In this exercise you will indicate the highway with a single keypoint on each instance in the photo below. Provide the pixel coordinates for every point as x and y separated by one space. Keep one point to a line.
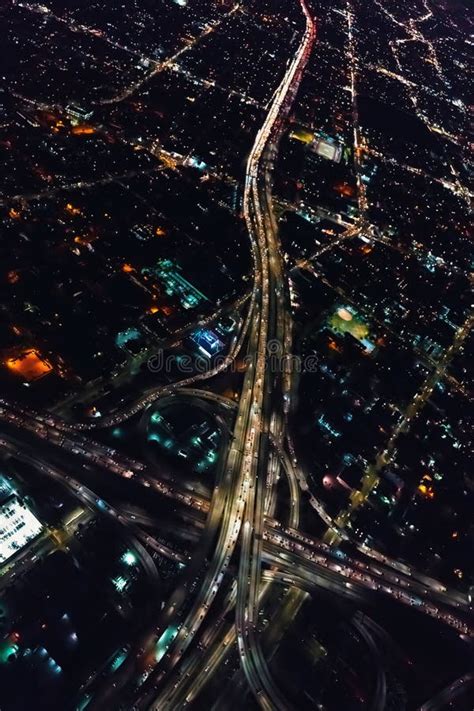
48 428
321 573
382 569
248 451
239 518
149 356
91 501
295 558
269 329
448 696
151 395
40 548
99 455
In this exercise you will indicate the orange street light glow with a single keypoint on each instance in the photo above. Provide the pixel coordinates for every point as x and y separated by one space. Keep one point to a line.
83 130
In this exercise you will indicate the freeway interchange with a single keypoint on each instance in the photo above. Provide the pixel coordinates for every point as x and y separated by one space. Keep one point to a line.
240 516
293 557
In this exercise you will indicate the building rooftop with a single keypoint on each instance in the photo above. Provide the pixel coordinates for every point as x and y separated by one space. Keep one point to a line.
18 526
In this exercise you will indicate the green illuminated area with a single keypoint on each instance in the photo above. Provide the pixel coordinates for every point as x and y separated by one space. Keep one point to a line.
164 642
176 285
8 647
118 659
302 134
131 334
195 441
122 580
10 650
84 703
345 319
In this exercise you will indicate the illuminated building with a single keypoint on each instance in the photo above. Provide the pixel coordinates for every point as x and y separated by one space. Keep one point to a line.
207 342
18 526
176 285
330 151
78 113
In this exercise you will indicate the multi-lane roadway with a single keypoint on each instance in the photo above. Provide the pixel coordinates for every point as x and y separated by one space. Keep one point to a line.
240 514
